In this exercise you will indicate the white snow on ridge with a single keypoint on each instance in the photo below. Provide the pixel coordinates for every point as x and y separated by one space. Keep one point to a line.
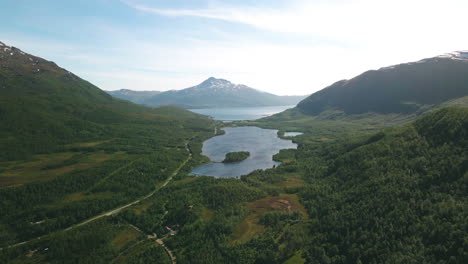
456 55
219 85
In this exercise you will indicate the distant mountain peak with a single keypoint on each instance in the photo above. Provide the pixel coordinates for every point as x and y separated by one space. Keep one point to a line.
214 92
213 82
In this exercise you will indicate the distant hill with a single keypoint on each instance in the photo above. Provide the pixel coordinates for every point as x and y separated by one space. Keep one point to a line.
133 96
211 93
402 88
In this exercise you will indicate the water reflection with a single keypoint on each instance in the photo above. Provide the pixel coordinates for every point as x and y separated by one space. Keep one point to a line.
261 143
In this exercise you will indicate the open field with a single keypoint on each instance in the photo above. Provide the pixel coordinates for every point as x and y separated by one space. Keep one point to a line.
251 226
48 166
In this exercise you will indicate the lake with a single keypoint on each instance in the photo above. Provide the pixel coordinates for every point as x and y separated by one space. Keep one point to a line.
241 113
261 143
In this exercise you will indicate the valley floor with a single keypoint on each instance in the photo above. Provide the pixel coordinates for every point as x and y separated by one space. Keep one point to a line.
396 195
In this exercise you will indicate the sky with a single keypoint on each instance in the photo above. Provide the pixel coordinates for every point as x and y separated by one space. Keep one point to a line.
286 47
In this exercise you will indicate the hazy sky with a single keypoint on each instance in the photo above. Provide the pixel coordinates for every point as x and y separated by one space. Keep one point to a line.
279 46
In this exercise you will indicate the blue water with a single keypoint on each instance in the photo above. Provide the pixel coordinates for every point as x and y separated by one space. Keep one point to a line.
261 143
241 113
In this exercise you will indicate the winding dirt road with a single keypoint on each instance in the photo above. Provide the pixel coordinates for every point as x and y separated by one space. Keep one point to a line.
116 210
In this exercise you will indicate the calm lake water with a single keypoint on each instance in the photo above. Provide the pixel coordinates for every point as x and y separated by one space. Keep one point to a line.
241 113
261 143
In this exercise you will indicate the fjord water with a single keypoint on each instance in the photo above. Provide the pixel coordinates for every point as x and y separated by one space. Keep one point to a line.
241 113
261 143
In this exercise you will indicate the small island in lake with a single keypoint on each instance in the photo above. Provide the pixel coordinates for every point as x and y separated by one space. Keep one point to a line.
236 156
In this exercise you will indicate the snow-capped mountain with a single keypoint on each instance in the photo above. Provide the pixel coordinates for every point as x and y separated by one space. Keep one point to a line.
215 92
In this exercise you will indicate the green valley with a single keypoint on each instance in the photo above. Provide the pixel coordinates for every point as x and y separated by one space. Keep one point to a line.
88 178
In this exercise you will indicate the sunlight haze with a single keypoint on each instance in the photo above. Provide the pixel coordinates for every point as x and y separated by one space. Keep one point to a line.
282 47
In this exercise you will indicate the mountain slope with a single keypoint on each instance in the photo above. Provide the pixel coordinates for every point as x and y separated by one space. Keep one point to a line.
403 88
71 151
219 93
133 96
43 106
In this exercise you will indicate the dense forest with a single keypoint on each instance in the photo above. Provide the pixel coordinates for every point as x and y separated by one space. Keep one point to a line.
397 197
87 178
70 151
394 196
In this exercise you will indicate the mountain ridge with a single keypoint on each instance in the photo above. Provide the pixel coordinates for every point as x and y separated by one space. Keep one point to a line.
227 94
131 95
43 106
402 88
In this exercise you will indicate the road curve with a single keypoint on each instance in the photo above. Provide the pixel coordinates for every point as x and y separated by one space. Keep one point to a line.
169 252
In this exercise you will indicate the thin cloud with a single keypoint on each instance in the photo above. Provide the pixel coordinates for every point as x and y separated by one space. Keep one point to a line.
307 47
351 19
371 34
221 14
245 15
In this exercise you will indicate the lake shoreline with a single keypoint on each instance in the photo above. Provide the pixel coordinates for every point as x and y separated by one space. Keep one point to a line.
262 144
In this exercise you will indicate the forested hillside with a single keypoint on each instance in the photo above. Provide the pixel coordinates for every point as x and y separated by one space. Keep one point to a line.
398 196
70 151
395 196
43 107
403 88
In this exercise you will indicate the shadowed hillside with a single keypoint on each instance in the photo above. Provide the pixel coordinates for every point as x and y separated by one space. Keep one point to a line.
403 88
